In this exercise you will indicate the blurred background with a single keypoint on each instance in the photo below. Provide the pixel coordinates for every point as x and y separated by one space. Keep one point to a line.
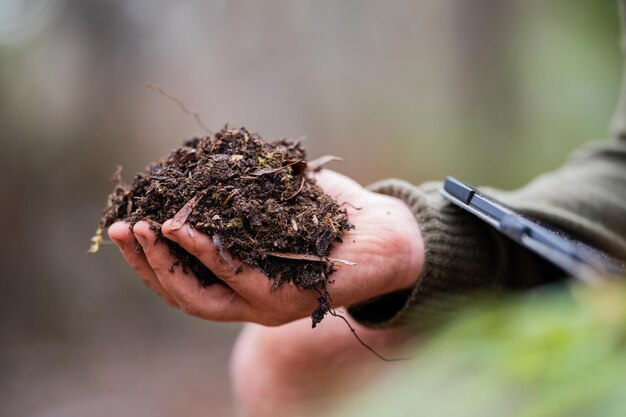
493 92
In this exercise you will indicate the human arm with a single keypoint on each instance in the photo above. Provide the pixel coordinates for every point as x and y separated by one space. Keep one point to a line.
586 198
293 370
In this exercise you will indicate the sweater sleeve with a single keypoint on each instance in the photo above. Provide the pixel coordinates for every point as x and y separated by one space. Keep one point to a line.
464 256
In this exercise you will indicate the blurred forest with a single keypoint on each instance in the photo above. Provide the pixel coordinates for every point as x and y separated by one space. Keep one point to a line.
493 92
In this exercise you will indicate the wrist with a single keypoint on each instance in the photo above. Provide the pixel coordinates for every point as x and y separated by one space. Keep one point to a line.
413 247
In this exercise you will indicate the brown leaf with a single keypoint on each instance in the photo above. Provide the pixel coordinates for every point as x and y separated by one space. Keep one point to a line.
298 166
296 256
307 257
341 261
183 214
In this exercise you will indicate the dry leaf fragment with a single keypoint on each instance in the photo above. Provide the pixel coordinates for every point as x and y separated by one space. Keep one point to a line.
183 214
96 240
307 257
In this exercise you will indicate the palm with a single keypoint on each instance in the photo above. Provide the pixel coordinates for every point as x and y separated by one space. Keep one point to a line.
383 243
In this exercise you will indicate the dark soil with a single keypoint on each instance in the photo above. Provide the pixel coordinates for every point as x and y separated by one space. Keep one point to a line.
257 200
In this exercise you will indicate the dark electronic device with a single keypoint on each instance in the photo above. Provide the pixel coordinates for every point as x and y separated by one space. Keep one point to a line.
574 257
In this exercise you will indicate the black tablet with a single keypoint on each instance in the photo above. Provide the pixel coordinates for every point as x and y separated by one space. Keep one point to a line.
572 256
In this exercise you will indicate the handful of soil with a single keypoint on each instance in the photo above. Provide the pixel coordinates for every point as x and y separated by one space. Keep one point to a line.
257 200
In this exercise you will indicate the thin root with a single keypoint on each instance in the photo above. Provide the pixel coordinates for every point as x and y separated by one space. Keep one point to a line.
345 203
317 164
334 313
297 192
183 107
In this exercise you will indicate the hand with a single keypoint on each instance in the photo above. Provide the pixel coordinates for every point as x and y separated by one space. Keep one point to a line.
291 370
386 245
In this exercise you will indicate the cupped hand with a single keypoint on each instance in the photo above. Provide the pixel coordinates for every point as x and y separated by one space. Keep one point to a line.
385 244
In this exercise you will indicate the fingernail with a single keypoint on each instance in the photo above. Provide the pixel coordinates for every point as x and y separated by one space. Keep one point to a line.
169 233
141 239
119 244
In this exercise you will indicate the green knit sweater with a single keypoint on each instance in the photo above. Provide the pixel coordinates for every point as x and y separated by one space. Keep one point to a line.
586 198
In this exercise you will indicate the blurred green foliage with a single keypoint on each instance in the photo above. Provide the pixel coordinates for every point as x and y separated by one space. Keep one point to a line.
556 352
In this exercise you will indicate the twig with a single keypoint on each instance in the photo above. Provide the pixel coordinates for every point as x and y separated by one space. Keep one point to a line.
183 107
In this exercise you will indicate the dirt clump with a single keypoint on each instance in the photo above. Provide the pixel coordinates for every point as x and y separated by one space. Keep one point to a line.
256 199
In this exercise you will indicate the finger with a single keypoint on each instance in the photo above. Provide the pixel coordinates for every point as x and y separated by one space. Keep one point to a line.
246 281
123 237
215 302
250 283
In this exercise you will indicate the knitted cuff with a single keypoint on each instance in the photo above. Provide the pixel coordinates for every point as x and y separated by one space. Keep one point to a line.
459 259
